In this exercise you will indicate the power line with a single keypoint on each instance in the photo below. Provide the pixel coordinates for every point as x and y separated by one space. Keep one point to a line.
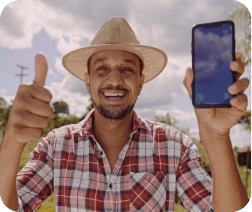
21 75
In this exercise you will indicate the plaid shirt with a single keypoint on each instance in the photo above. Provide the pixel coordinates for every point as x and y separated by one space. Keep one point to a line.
156 162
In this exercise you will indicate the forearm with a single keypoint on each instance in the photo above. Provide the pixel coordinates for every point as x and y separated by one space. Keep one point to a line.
229 193
10 154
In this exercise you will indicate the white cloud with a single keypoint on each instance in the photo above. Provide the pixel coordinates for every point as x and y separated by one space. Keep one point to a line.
160 92
8 99
77 102
166 25
17 25
59 66
51 72
249 103
22 19
239 136
186 120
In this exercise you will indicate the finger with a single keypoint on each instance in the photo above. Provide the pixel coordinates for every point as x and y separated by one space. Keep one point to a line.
240 102
239 86
188 81
40 108
35 121
29 133
41 93
238 67
41 67
238 55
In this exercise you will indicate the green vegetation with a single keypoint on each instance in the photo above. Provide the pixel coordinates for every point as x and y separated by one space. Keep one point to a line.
61 118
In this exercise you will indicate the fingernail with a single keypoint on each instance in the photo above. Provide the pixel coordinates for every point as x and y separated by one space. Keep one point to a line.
233 87
234 100
235 64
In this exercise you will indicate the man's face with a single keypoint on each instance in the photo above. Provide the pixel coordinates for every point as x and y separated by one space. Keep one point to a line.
114 82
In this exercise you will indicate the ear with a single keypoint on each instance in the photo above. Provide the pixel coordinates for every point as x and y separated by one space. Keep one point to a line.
87 80
141 82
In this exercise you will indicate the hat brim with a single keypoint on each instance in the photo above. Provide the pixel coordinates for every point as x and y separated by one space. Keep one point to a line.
154 59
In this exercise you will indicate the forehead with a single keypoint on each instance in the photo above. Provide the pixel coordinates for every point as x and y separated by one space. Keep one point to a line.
116 55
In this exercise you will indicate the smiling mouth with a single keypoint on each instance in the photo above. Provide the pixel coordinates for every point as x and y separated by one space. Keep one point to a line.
115 96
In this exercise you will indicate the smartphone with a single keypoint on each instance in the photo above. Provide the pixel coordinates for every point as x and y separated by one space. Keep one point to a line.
213 49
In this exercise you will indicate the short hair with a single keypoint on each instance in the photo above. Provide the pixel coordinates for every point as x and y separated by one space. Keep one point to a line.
140 61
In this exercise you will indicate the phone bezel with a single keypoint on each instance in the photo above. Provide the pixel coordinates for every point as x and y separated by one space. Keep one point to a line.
193 59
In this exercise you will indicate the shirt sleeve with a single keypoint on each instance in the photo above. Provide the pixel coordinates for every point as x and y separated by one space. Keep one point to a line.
35 180
194 185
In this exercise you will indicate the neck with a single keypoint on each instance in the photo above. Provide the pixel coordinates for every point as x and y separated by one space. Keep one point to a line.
109 132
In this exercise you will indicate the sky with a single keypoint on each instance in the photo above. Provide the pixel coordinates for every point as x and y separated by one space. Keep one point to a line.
56 27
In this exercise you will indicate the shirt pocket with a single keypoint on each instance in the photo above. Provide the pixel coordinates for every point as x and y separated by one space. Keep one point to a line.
147 191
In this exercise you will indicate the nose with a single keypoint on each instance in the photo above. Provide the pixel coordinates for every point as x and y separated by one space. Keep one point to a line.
115 78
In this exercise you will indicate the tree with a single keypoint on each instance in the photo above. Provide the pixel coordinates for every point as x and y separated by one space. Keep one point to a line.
203 153
3 103
246 119
242 19
58 120
167 119
4 114
89 108
60 107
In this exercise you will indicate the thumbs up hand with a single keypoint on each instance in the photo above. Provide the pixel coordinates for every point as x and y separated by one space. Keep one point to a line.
31 109
41 68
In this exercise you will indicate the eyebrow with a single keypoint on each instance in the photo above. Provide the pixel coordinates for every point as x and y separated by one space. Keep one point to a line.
105 58
100 60
130 61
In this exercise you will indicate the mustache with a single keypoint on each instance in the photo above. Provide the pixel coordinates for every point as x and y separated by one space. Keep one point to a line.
113 88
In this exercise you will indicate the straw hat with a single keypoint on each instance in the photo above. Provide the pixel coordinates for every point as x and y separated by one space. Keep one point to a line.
116 34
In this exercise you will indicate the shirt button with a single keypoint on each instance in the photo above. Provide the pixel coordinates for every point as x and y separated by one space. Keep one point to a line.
110 186
101 152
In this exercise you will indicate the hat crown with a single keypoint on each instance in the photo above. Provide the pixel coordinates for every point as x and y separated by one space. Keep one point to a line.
115 31
116 34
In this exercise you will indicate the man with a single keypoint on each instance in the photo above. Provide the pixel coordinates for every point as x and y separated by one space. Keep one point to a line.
115 160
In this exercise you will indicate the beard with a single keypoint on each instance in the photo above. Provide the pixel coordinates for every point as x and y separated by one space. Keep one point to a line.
112 112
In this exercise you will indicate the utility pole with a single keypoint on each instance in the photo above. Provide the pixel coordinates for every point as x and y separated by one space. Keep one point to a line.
21 75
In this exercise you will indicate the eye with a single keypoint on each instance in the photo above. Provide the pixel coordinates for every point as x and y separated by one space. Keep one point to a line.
102 68
127 70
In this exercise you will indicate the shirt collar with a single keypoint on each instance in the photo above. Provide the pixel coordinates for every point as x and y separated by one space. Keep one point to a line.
85 126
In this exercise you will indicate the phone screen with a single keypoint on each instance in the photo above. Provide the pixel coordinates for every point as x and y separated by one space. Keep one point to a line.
213 51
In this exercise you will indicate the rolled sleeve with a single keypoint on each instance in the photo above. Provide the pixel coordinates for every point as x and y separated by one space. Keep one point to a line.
194 185
35 180
20 205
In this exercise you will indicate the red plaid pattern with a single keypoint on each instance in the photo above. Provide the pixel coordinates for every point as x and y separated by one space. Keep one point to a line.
155 163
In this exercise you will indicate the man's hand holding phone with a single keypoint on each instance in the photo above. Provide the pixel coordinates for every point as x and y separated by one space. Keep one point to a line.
220 120
31 109
229 193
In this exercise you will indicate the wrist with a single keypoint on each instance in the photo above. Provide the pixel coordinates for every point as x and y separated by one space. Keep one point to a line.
10 141
208 132
215 141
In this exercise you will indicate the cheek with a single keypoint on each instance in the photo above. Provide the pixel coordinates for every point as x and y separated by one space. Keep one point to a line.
134 88
93 88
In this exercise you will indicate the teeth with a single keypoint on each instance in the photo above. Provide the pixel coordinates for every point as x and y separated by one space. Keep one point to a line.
113 94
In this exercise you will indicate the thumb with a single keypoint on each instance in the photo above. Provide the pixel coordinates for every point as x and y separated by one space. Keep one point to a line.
41 67
188 81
